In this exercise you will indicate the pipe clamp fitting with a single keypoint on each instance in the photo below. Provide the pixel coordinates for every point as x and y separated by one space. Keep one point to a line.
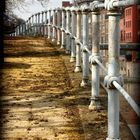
109 4
84 48
94 5
108 81
92 59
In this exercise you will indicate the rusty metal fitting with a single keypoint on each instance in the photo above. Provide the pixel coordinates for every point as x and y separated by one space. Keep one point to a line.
67 9
62 29
77 10
67 32
108 81
94 5
95 98
109 4
58 9
77 41
72 8
85 8
92 59
64 9
84 48
72 37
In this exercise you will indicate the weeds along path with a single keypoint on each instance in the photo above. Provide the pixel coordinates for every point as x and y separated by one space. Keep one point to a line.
34 85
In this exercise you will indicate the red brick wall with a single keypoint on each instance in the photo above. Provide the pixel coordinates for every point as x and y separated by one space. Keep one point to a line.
66 3
131 24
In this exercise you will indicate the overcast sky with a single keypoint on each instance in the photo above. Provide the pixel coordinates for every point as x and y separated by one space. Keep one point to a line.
32 8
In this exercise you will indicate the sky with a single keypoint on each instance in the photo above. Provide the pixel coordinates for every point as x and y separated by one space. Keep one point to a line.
32 8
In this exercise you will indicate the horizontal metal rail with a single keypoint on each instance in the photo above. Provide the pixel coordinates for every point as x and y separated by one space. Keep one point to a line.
127 97
101 66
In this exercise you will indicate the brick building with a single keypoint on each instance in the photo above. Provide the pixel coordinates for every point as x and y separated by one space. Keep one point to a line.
131 28
66 4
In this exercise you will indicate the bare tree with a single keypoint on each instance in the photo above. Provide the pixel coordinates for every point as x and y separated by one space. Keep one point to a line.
21 4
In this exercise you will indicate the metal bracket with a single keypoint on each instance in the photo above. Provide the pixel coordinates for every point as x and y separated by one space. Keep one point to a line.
108 81
109 4
94 5
92 59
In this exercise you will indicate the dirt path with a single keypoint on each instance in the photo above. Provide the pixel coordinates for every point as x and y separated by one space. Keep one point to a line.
41 98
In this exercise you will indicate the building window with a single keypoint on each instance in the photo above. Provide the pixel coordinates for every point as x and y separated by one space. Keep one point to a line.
128 24
128 12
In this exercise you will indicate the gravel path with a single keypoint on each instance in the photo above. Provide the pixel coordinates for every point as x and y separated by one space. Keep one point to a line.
41 98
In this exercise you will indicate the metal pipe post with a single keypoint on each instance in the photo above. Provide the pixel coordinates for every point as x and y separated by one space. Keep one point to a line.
42 24
113 73
39 31
25 32
73 47
29 26
63 28
85 33
68 30
58 24
95 78
25 28
22 29
37 25
49 27
78 49
53 35
32 24
45 32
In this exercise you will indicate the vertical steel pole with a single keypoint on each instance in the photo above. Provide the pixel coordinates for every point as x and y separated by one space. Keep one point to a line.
49 27
58 24
113 71
35 24
68 30
29 25
85 53
42 19
39 24
63 27
95 78
20 29
78 49
24 29
42 24
73 47
16 31
53 35
32 24
45 32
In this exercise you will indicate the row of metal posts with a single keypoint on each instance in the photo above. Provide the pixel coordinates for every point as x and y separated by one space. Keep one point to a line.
74 47
67 31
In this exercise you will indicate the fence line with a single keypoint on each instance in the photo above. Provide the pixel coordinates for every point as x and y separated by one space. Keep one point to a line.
70 28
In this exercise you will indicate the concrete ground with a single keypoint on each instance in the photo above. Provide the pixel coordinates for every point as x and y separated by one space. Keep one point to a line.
41 97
